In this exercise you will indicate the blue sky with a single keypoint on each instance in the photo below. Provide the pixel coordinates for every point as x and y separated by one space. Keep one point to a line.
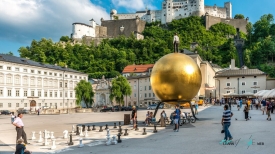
21 21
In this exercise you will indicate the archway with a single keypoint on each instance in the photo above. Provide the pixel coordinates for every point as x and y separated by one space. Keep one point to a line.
32 105
102 99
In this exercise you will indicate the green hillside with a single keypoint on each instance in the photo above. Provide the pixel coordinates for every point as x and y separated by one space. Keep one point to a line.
112 55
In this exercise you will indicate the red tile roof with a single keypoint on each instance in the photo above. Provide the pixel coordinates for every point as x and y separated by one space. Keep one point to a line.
137 68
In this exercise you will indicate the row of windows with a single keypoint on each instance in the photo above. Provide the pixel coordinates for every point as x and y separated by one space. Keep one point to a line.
46 94
149 95
243 91
243 84
39 104
145 88
44 72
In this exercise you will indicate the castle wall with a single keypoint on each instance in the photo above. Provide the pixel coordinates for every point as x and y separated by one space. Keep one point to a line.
101 31
237 23
80 30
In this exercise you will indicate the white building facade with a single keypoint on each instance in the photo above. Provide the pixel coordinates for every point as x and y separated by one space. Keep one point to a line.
80 29
176 9
32 85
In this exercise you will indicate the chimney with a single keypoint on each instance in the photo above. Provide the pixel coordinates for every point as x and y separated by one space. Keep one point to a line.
232 63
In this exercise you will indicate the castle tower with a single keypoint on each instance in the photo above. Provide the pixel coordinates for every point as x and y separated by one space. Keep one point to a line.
112 14
200 7
93 23
228 7
169 11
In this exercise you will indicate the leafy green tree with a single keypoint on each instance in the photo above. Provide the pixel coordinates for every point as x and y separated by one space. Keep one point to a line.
120 88
84 92
239 16
64 38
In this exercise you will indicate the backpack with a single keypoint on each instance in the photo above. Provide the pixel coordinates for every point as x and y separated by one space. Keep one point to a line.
269 106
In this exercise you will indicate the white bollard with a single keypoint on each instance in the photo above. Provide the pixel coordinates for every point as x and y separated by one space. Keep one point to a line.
80 143
108 139
53 146
65 134
52 137
33 136
40 137
114 141
81 133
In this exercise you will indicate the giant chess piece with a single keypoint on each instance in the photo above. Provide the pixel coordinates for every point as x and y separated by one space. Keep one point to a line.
136 126
118 138
126 133
86 133
81 133
77 130
89 129
33 136
144 131
52 137
119 128
100 130
73 129
40 137
155 129
53 144
48 134
114 142
94 127
83 128
106 127
119 123
71 140
65 134
80 143
45 139
108 139
115 125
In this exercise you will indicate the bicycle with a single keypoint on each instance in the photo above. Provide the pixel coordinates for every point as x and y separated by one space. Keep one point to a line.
188 118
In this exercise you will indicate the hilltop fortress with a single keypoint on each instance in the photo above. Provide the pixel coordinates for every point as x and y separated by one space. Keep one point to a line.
134 23
176 9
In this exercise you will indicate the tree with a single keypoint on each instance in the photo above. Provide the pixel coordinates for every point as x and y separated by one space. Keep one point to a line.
120 88
84 92
64 38
239 16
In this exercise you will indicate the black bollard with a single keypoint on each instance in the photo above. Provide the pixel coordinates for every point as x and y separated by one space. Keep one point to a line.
89 129
155 130
94 127
136 126
77 130
126 134
118 138
144 131
71 140
115 125
83 128
106 127
100 130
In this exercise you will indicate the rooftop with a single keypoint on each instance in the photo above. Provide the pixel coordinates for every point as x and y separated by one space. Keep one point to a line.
239 72
137 68
24 61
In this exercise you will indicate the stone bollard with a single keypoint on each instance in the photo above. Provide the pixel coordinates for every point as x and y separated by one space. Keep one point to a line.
89 129
94 127
33 136
100 129
155 128
80 143
136 126
118 138
126 134
53 145
77 130
106 127
71 140
65 134
83 128
115 125
144 131
40 137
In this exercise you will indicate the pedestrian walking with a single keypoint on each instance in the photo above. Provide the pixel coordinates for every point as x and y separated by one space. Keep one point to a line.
196 108
176 42
177 118
18 123
268 109
12 117
134 117
241 103
273 106
38 111
246 111
257 103
249 104
263 105
229 103
226 122
238 104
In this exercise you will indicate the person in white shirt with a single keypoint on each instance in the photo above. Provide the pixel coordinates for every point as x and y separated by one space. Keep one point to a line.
238 104
18 123
176 42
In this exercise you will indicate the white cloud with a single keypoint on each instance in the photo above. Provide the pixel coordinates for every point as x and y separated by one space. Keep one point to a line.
134 5
24 20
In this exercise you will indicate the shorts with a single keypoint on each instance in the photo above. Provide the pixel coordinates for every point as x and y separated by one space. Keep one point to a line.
268 113
176 121
238 105
263 108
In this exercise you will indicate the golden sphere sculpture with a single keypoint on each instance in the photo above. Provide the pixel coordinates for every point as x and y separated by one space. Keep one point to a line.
176 78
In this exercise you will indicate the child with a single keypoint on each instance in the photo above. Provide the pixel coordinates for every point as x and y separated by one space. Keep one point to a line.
21 148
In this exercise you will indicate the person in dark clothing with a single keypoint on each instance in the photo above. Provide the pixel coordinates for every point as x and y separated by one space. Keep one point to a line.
246 110
134 117
21 148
